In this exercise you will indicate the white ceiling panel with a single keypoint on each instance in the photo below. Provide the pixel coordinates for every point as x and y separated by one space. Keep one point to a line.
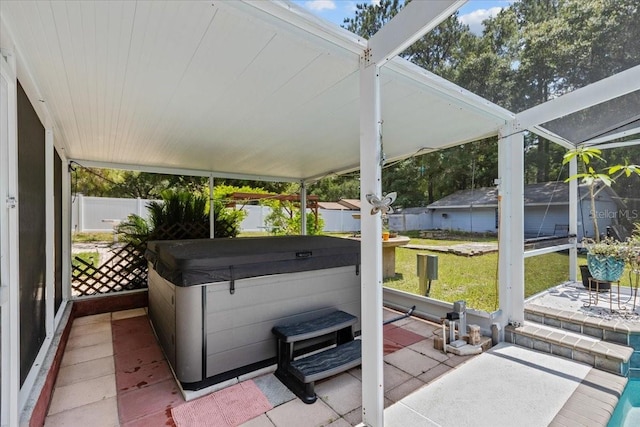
261 89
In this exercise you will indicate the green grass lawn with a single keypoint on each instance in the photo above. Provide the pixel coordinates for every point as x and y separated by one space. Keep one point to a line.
92 258
474 279
92 237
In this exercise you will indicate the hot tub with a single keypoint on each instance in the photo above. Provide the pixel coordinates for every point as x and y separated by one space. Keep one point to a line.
213 302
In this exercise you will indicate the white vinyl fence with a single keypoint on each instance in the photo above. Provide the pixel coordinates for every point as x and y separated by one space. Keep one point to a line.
96 214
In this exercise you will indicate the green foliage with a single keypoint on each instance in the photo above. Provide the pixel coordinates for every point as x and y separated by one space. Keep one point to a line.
530 52
190 209
591 177
285 219
473 279
135 230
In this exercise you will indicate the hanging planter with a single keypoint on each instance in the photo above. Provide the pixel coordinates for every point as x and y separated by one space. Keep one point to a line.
605 268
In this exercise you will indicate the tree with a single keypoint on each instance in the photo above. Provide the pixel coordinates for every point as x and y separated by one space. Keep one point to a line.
593 177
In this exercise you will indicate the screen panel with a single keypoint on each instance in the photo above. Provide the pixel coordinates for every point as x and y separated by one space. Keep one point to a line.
32 232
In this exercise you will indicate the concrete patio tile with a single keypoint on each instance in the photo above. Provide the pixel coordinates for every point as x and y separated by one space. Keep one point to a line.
455 360
88 328
84 354
421 327
133 341
402 336
82 393
85 371
339 423
389 347
434 373
261 421
399 415
275 392
404 389
292 414
103 413
95 318
393 377
343 393
161 418
139 403
135 359
86 340
426 347
356 372
410 361
132 325
148 374
126 314
354 417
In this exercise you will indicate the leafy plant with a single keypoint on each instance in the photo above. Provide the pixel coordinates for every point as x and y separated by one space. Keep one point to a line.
609 247
591 177
285 219
188 212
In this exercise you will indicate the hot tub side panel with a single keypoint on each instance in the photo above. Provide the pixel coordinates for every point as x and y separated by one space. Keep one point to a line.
238 326
176 316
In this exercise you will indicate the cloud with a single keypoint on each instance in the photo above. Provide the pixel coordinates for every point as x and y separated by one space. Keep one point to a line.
375 2
475 18
320 5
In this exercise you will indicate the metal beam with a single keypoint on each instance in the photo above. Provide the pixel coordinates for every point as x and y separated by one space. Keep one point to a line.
540 131
511 226
616 144
179 171
550 249
596 93
617 135
371 249
9 263
411 23
574 203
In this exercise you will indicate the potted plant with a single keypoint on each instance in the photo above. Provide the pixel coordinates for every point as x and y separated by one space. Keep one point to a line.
606 259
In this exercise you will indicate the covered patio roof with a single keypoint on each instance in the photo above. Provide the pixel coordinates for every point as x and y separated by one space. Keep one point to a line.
261 90
253 89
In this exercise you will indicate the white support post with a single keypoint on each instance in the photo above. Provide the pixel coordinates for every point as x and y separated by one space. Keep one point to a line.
511 231
50 229
9 264
212 214
574 203
67 228
371 248
303 208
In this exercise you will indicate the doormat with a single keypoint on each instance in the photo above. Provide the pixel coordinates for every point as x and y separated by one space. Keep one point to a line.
228 407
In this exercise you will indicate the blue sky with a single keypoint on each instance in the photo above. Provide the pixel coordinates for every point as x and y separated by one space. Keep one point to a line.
472 13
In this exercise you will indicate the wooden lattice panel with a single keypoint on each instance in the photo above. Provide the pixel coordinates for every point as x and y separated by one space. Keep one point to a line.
125 270
179 231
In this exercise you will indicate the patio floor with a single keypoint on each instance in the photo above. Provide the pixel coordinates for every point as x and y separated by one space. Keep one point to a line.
113 373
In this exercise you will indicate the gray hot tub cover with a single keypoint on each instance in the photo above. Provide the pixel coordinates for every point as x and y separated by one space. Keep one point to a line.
194 262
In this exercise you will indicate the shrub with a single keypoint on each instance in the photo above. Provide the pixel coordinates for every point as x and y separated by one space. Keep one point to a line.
181 215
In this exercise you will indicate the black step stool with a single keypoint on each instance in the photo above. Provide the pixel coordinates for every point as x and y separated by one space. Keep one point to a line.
300 375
